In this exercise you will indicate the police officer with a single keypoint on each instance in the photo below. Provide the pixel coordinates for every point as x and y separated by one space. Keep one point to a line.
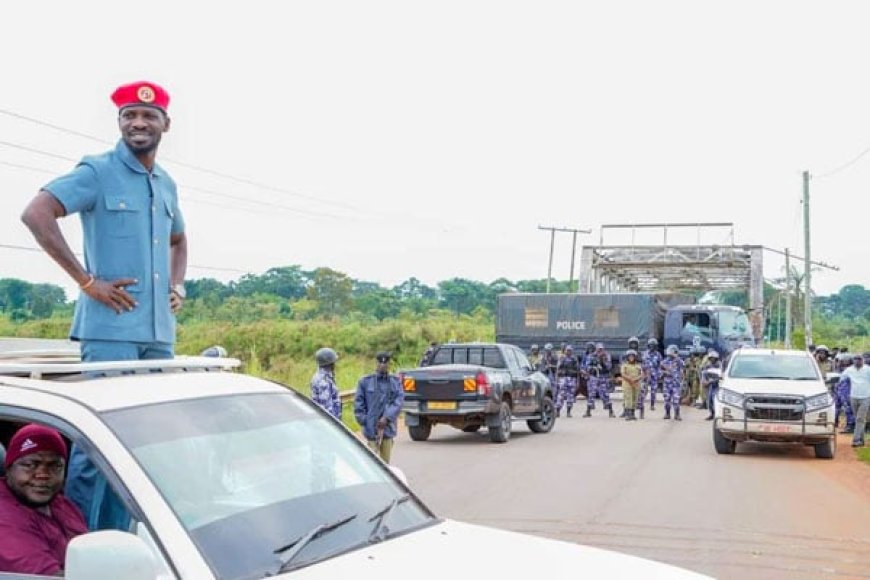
710 381
693 377
377 404
567 370
633 344
631 375
651 362
596 367
823 357
324 391
535 357
549 362
673 370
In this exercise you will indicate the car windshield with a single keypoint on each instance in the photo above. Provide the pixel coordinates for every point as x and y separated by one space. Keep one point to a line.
773 366
247 475
734 324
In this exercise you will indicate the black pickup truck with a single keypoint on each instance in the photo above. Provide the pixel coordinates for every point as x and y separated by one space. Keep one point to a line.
468 386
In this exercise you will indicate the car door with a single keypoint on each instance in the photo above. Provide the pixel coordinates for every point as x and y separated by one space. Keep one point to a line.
524 386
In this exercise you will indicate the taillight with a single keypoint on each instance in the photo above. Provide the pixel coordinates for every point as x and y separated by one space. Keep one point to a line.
483 387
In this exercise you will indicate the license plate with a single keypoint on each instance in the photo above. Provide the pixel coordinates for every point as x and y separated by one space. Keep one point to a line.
775 428
442 405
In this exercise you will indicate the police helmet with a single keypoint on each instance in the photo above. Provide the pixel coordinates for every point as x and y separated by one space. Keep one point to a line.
823 348
325 356
569 348
215 351
652 342
672 349
633 340
535 347
844 357
590 346
631 352
599 346
548 346
713 355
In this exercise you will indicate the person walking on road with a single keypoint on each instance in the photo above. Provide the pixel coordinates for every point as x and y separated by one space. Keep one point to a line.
324 391
672 368
377 404
135 259
631 373
858 378
709 381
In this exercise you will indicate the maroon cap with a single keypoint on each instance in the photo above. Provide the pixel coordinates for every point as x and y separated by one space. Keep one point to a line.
33 439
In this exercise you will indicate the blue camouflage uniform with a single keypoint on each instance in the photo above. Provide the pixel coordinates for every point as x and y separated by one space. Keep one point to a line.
672 368
712 384
567 371
324 392
651 361
843 403
598 372
127 216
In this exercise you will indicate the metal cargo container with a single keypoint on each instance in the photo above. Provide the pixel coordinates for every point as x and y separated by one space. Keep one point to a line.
526 319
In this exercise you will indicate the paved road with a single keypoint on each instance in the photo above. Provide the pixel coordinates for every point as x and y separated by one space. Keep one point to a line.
656 489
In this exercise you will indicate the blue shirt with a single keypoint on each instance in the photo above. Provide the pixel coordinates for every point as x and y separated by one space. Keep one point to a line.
127 218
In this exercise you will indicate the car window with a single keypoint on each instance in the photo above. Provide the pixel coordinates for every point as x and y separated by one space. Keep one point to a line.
773 367
492 358
270 465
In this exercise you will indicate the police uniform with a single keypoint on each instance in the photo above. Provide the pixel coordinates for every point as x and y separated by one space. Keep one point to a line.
324 392
379 396
693 378
651 361
596 367
567 369
710 383
672 369
631 375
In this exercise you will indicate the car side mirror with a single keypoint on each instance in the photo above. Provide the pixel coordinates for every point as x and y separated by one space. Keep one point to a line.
832 378
109 555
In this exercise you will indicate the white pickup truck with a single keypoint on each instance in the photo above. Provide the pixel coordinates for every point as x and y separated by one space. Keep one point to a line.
774 396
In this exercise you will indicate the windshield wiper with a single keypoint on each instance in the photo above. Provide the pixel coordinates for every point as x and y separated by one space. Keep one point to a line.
287 552
378 533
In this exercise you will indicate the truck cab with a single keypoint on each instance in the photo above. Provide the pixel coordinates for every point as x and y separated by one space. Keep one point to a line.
720 327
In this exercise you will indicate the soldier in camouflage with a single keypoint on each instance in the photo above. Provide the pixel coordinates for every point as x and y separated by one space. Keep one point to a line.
650 361
324 391
843 403
672 369
596 367
549 363
693 377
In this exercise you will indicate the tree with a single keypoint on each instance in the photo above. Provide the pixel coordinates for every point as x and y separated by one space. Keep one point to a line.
462 296
332 290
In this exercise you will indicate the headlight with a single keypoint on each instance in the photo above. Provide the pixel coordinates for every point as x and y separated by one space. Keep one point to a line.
819 401
730 398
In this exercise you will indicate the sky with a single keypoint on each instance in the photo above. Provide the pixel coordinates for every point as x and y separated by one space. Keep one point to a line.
398 139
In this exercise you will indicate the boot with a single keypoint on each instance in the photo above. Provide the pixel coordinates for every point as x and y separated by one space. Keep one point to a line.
568 413
709 417
641 411
677 414
610 412
624 413
631 416
588 412
667 412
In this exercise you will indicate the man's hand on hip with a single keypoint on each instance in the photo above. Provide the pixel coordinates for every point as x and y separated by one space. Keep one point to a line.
113 294
175 302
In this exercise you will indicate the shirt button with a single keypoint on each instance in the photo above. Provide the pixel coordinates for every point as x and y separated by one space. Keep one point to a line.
153 208
122 205
156 276
155 241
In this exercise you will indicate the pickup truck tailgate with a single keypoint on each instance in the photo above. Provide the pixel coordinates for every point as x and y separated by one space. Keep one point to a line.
443 383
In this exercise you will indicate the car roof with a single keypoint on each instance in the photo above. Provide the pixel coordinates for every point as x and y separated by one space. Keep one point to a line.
150 382
741 352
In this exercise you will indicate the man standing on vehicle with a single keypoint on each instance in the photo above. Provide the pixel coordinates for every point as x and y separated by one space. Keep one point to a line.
858 377
135 254
36 520
324 391
377 404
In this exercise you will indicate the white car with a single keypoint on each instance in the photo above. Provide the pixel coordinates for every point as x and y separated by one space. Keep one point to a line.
234 477
775 396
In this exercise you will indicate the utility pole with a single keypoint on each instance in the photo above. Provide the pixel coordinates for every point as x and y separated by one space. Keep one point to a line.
787 300
553 231
808 301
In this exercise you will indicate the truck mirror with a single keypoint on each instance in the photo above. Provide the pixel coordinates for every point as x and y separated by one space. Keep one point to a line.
108 555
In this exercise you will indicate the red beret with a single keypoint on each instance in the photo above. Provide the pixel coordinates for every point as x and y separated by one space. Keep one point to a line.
33 439
141 93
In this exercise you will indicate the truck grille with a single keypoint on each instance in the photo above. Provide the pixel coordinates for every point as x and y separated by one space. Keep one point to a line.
771 408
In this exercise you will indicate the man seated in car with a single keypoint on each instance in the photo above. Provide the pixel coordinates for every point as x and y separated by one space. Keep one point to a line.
36 520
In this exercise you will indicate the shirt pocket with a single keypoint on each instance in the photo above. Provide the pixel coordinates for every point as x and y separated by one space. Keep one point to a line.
123 214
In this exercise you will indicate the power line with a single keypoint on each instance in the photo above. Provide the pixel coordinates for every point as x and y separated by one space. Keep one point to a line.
28 167
844 166
184 163
195 266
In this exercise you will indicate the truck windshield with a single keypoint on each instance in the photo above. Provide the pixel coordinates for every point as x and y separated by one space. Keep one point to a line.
247 474
734 324
773 367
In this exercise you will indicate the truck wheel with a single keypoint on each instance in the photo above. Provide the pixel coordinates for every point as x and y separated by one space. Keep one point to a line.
502 433
420 432
723 446
548 417
471 428
826 450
